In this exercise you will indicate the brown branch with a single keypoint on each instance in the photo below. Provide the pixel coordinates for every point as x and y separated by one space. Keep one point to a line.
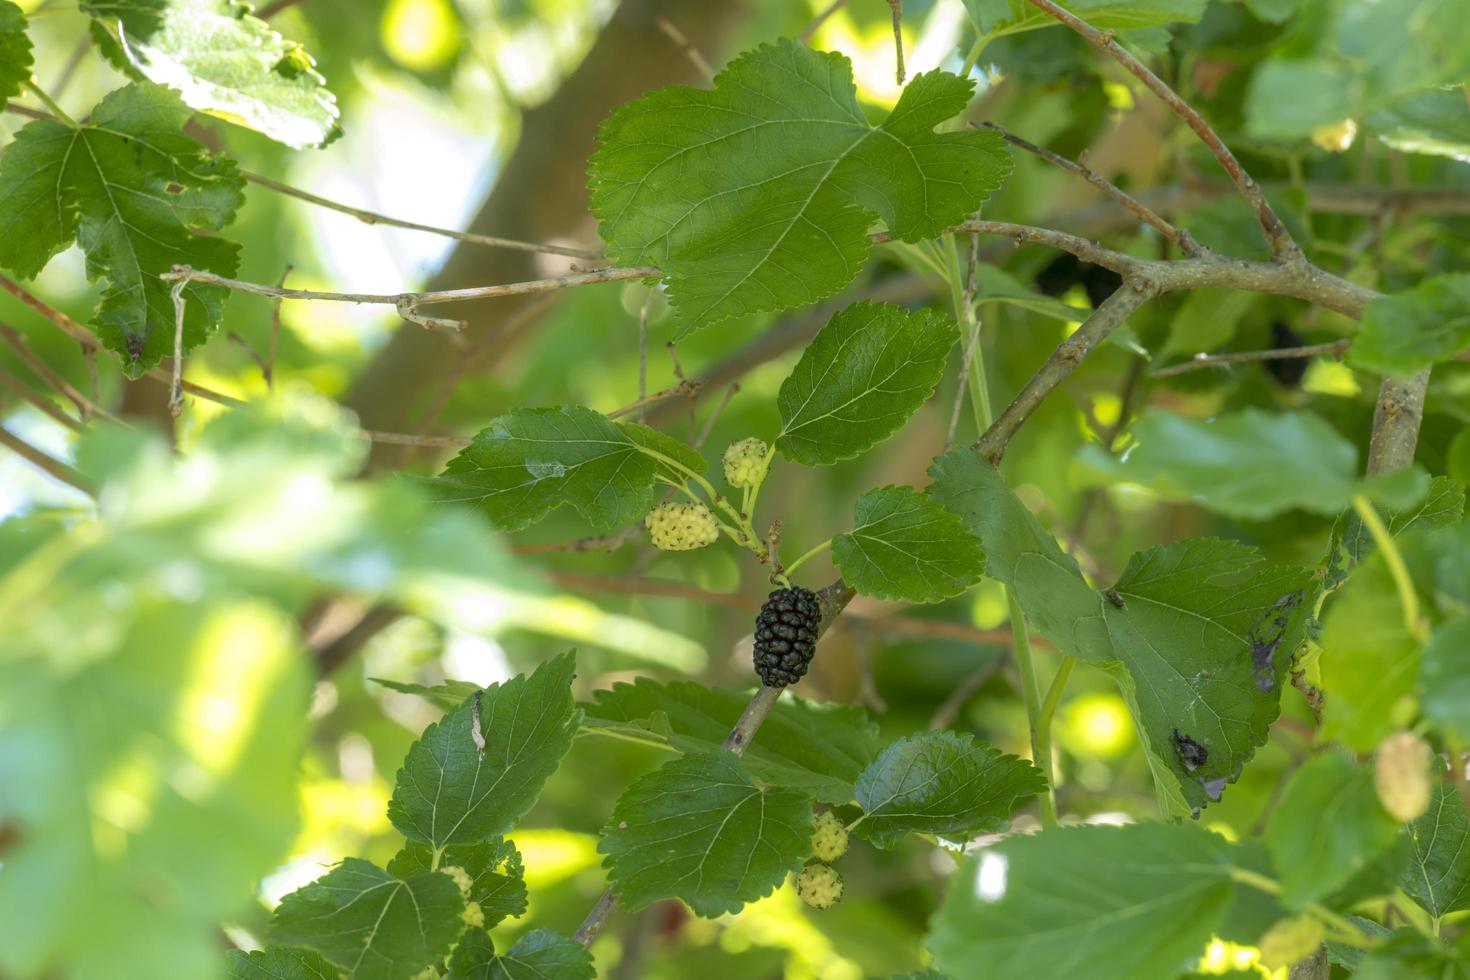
1396 419
1335 348
374 218
23 391
17 342
819 20
1129 297
832 599
683 388
50 464
896 8
686 46
1178 236
1281 241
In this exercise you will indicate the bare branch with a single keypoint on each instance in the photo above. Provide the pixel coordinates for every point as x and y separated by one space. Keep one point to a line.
1281 241
1396 420
819 20
373 218
684 388
1335 348
686 46
1133 294
16 341
896 7
23 391
51 465
1178 236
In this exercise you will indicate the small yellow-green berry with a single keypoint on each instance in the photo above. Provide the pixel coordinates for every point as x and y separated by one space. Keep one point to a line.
1290 941
461 878
743 461
819 885
682 526
829 837
473 915
1336 137
1401 775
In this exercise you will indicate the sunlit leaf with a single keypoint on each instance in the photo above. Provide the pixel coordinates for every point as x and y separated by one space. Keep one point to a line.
1438 875
538 955
280 963
905 546
758 194
223 61
494 870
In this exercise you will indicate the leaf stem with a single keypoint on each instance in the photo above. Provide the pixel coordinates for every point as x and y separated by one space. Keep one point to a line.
51 104
1041 739
809 554
1346 931
1394 559
1031 698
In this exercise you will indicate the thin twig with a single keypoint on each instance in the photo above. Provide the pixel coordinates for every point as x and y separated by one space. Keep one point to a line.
709 423
1335 348
896 8
176 387
819 20
414 439
1178 236
949 709
373 218
255 355
23 391
679 373
684 387
602 542
971 339
686 46
73 62
16 341
275 341
1133 294
643 353
50 464
1281 241
867 689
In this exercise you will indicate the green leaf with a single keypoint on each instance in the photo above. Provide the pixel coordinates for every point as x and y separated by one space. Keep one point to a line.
941 783
664 444
533 460
500 895
451 792
1402 333
1199 633
538 955
1001 17
1369 660
1438 875
1351 541
158 742
15 51
1273 11
1206 319
819 749
1410 955
1436 123
860 380
1328 826
224 62
904 546
758 195
1445 676
128 187
450 694
698 829
1252 464
372 924
280 963
1107 903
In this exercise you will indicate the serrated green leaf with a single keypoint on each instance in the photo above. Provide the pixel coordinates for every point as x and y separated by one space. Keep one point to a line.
698 829
527 463
904 546
1253 464
280 963
860 380
372 924
941 783
501 894
1107 903
1436 123
1351 541
222 61
1369 659
758 195
1445 676
538 955
1204 629
1402 333
450 792
15 50
1328 826
817 749
450 694
128 186
666 445
1438 875
1206 319
1001 17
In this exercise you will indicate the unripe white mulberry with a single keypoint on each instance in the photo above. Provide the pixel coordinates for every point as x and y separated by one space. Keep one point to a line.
1336 137
819 885
1401 775
1290 941
473 915
829 837
461 878
743 461
682 526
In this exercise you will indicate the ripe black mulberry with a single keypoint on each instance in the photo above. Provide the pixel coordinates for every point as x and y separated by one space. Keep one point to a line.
786 635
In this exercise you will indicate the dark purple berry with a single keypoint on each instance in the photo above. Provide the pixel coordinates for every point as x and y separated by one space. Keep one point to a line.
786 635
